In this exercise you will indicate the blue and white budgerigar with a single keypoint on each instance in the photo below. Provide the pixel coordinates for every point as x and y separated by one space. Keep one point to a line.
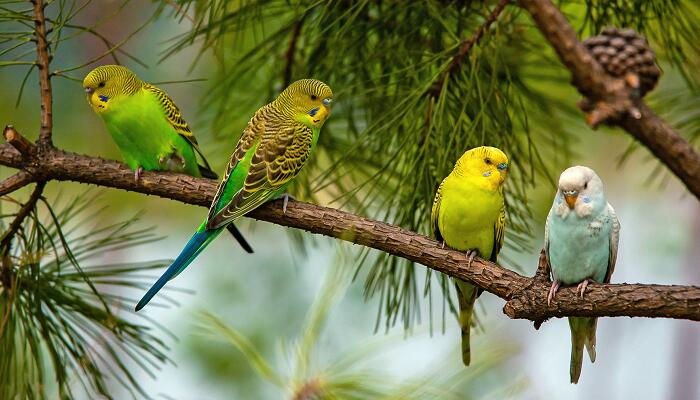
581 237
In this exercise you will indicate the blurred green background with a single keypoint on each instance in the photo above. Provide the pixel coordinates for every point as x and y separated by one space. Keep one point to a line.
267 296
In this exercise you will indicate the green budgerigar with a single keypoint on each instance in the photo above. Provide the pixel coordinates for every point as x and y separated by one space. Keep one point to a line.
469 215
147 126
144 122
272 150
580 240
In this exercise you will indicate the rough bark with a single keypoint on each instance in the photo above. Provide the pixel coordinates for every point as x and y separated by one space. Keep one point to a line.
526 297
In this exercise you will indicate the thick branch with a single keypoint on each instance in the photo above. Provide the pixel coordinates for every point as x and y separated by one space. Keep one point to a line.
43 59
526 296
590 79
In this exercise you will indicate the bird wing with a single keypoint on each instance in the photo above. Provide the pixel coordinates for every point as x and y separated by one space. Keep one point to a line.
499 231
280 152
546 238
174 117
614 240
435 213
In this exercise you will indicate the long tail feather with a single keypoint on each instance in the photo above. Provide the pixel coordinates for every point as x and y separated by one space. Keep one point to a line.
466 297
194 246
239 238
582 334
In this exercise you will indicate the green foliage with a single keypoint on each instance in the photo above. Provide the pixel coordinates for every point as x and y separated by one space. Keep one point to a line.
353 373
65 326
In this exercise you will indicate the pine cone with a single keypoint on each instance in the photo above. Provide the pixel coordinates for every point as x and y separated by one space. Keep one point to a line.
623 52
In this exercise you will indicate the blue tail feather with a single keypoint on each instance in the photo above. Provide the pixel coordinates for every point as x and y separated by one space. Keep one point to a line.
194 246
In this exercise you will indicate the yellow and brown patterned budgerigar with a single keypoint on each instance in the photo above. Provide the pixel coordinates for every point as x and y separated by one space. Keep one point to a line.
469 214
147 126
272 150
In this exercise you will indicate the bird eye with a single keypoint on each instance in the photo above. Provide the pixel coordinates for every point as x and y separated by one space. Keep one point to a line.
313 97
101 84
585 185
487 161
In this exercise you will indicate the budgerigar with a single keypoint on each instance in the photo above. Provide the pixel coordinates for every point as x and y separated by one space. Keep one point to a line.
272 150
581 237
147 126
469 214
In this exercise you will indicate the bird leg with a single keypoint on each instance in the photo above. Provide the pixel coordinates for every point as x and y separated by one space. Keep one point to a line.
553 291
581 288
137 173
172 161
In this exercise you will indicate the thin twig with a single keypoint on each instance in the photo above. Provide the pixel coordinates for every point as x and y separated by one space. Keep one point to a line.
23 212
19 142
291 50
16 181
465 47
43 60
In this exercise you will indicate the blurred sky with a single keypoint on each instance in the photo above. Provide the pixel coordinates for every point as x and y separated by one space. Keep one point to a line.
266 295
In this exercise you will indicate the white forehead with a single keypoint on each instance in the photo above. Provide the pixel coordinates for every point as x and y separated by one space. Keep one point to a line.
575 177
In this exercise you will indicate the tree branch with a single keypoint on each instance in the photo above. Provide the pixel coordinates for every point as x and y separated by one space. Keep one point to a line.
23 213
16 181
290 53
526 297
609 93
43 60
465 47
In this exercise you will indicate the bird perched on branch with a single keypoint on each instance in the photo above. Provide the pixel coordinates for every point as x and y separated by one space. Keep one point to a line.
147 126
469 214
581 237
272 150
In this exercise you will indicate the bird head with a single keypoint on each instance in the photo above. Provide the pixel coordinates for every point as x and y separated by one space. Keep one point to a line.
579 184
485 162
108 82
307 100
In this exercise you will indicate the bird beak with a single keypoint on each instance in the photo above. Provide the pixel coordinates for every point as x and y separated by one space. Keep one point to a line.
89 90
570 198
320 115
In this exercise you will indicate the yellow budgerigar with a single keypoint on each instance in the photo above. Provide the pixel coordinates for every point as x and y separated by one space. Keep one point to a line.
469 215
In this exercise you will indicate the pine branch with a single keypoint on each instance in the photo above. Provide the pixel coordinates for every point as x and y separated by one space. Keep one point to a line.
23 213
465 47
16 181
526 297
614 102
43 60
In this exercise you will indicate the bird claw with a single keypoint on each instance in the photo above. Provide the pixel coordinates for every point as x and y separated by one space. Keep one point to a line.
471 254
442 244
286 198
581 288
553 291
137 174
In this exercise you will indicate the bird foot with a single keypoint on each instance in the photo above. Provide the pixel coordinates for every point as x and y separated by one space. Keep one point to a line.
553 291
286 198
581 288
471 254
137 174
173 161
